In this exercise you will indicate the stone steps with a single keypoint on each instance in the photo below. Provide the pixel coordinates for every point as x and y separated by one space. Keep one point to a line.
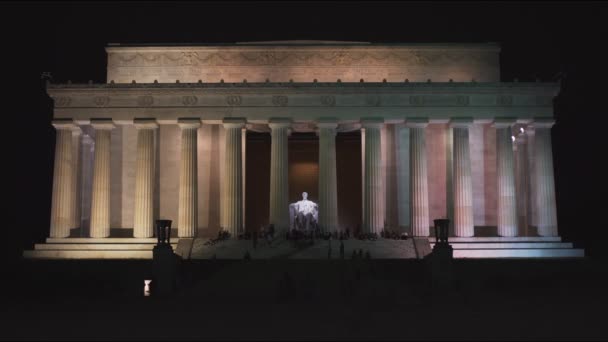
519 253
95 248
476 239
88 254
512 247
508 245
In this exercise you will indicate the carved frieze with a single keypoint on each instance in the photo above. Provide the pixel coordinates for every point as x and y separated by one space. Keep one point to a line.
302 58
279 100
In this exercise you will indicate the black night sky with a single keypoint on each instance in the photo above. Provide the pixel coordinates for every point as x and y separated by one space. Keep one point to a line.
549 41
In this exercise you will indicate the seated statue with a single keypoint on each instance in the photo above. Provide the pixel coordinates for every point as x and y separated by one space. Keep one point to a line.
304 214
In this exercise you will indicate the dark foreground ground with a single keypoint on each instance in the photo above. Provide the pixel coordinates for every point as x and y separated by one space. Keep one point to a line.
322 299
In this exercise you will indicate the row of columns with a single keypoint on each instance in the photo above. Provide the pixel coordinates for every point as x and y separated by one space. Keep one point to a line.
64 203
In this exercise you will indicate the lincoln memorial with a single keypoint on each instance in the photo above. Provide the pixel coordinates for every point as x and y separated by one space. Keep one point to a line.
381 137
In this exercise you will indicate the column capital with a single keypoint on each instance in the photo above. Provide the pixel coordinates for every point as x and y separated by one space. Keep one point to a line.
189 123
503 122
461 122
279 123
145 123
416 122
102 124
64 124
331 123
543 123
372 122
234 122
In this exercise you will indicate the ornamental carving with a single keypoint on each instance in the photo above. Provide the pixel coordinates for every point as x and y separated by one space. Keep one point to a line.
504 100
279 100
372 100
416 100
101 101
62 101
328 100
233 100
145 101
311 57
188 58
189 100
462 100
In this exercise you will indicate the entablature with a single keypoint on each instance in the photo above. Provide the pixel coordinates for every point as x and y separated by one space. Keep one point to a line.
305 100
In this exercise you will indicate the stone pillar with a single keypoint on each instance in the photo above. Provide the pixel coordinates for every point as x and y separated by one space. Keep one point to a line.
521 182
362 176
372 210
244 167
279 184
545 184
100 202
76 177
143 221
420 193
62 203
187 223
328 186
506 217
463 190
402 146
233 166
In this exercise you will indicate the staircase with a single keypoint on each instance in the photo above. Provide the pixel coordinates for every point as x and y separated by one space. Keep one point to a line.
94 248
512 247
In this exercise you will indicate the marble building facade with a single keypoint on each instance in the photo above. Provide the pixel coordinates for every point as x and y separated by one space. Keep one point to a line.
441 137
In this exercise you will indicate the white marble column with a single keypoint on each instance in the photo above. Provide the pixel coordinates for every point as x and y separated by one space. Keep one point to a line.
244 168
100 202
402 147
521 182
62 203
143 221
76 174
233 166
373 210
328 186
420 192
463 190
545 183
505 171
279 182
187 223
